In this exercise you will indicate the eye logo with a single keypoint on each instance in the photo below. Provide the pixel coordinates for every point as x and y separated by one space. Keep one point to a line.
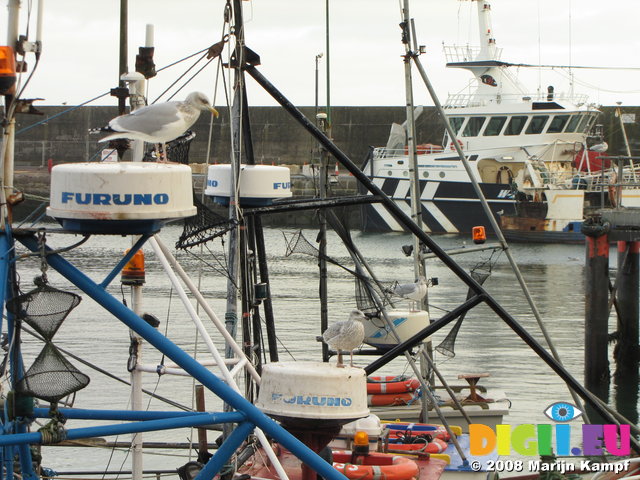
562 412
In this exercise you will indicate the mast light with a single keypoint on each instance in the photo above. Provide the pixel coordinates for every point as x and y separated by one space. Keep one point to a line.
7 70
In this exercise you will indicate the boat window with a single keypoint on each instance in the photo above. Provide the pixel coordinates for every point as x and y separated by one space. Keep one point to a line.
515 125
557 123
590 122
573 123
474 125
494 127
537 124
584 123
456 123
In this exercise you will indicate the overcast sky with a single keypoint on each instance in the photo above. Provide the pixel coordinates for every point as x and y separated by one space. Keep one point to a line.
80 56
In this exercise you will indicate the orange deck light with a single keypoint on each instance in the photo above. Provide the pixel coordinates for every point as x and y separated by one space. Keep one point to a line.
133 271
361 443
478 234
7 70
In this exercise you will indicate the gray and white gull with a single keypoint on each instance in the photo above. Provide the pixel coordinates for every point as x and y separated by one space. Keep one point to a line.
346 335
412 291
161 122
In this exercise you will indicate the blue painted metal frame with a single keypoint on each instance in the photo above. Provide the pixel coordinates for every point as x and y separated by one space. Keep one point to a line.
196 420
254 417
16 369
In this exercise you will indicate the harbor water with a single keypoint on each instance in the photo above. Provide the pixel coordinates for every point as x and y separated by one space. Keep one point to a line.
554 274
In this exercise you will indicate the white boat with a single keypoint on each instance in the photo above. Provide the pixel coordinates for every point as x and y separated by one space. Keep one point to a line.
513 139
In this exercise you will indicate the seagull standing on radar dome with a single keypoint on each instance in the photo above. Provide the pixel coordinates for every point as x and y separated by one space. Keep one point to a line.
345 335
412 291
161 122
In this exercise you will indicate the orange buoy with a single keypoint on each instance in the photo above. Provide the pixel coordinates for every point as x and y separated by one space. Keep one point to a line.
389 399
478 234
375 466
133 271
392 384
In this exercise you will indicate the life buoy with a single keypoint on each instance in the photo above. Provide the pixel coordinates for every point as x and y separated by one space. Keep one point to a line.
436 445
453 147
504 170
376 466
435 430
389 399
392 384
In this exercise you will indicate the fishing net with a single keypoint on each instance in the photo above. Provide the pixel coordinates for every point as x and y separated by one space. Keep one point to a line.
177 150
365 288
44 308
446 347
205 225
51 377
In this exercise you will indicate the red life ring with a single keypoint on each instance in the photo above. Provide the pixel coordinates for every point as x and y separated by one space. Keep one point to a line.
376 466
434 446
435 430
452 147
391 384
389 399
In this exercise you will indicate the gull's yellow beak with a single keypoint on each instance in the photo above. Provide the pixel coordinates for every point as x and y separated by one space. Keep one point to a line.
214 111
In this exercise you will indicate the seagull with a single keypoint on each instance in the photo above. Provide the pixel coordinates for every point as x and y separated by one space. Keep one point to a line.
346 335
412 291
161 122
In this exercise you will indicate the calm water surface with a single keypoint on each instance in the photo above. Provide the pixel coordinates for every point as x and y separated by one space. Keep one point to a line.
554 274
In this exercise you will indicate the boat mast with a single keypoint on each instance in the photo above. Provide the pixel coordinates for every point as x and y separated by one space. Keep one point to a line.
416 205
6 179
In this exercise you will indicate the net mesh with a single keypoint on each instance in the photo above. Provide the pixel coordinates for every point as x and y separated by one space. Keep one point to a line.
204 226
365 289
44 308
51 377
177 150
447 346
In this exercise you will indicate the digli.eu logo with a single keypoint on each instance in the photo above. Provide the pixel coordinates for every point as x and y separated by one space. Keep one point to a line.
534 440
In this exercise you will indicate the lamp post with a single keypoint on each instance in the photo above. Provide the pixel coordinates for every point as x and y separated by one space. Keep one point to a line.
318 57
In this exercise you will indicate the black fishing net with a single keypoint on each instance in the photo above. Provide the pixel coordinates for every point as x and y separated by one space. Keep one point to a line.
51 377
366 289
446 347
44 308
177 150
205 225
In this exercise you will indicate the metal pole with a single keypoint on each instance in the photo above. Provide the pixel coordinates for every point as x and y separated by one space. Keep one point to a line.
261 251
322 243
123 66
328 68
626 143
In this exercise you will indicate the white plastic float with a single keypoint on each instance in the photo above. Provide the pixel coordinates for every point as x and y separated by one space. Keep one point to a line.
259 185
120 198
406 322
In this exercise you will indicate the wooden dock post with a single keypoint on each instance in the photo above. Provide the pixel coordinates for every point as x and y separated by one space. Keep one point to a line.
627 295
596 362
